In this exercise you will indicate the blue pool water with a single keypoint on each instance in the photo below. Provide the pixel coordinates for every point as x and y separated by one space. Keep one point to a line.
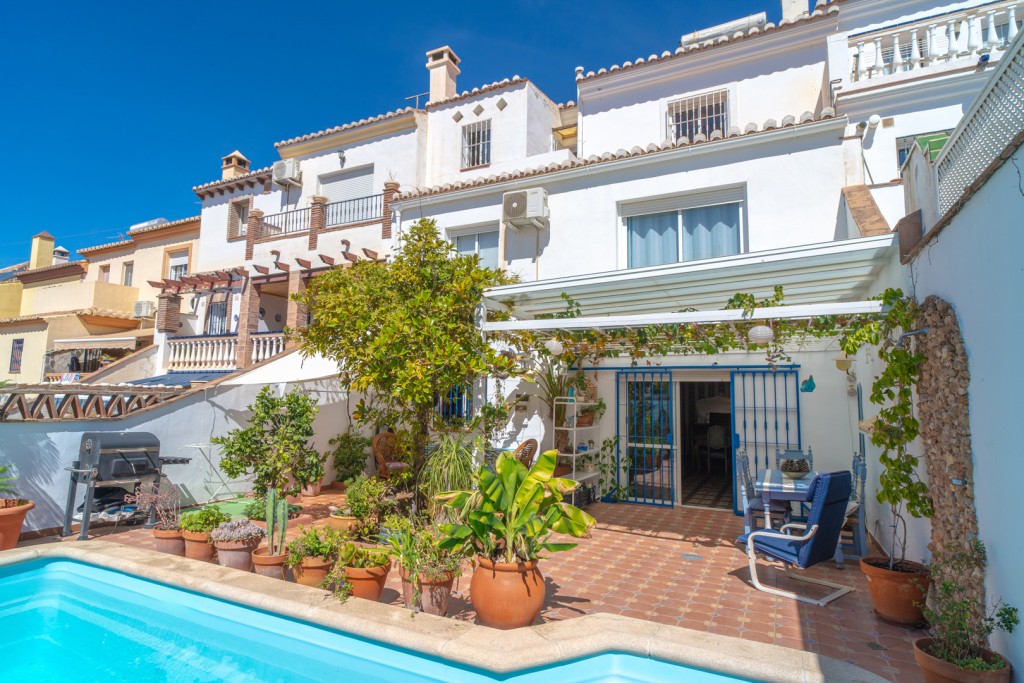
69 621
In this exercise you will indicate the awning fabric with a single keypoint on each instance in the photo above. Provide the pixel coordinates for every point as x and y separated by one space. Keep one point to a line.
116 340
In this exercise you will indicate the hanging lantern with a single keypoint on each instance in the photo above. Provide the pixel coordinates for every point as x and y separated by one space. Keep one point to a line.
554 347
760 334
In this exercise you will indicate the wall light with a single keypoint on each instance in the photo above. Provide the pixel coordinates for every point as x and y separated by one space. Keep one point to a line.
341 157
843 362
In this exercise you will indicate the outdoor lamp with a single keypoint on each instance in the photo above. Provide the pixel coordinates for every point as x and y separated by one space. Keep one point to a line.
554 347
843 362
760 334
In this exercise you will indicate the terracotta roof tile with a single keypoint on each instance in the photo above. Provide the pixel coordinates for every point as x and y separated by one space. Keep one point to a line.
162 226
55 266
348 126
228 181
653 148
99 312
490 87
108 245
865 211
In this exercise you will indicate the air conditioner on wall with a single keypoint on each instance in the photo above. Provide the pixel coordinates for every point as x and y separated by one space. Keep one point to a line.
525 207
287 172
142 309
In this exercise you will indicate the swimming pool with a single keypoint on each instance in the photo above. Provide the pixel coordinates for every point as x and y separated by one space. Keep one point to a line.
66 620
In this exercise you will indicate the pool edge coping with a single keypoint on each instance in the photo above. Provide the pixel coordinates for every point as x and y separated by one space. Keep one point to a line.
459 641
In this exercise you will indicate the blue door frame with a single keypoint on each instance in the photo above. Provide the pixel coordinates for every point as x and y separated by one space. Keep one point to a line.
645 418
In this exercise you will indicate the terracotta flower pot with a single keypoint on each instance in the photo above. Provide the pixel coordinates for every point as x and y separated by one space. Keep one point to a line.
313 489
269 565
897 596
11 519
507 595
236 554
434 593
197 545
343 523
585 420
312 571
169 541
937 670
368 584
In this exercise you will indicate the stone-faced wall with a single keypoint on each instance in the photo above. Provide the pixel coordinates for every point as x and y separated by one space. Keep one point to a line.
944 412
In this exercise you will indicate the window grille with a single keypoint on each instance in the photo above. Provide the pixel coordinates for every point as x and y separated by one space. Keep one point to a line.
455 406
476 144
17 347
699 114
218 319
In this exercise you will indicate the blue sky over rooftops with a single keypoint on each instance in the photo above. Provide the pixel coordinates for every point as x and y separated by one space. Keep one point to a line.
112 112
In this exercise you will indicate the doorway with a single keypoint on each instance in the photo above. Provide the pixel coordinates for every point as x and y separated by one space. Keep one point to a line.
705 445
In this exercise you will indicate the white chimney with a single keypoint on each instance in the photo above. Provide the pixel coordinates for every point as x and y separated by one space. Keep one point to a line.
794 9
443 65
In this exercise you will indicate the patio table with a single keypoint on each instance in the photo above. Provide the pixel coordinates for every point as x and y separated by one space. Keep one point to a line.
774 485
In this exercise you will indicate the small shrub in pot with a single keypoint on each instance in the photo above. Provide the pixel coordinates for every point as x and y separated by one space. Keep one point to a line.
166 502
12 509
313 553
427 569
235 541
359 572
196 527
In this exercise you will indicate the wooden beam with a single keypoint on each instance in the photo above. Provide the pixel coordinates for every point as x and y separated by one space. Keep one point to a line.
348 245
262 270
370 254
241 272
188 280
210 279
156 285
329 260
351 257
304 263
281 265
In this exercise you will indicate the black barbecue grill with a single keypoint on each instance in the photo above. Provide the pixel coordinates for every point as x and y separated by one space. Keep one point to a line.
114 459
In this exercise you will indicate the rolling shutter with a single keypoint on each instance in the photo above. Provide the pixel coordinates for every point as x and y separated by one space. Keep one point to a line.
346 185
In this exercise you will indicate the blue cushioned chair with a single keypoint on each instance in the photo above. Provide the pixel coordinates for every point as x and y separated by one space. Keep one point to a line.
829 495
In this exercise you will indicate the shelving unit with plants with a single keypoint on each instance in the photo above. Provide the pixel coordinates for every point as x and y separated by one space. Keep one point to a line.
579 425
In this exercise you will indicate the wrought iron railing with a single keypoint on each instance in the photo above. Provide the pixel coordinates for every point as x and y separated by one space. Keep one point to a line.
296 220
355 210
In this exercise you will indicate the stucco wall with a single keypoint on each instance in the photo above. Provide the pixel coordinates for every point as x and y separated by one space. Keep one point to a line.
149 263
33 352
10 299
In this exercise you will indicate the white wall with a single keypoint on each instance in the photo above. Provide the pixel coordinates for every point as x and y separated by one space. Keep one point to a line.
975 265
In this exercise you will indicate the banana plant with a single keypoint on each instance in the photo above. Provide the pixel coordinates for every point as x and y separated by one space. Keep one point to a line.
277 522
514 512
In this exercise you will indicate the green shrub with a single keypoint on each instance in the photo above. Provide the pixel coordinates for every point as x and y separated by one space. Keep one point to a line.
203 520
349 454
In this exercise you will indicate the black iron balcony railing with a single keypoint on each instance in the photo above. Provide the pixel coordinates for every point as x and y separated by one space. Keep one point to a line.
355 210
283 223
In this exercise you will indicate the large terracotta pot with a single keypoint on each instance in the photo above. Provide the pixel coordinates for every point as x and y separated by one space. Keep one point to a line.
507 595
312 571
343 523
269 565
897 596
434 593
236 554
368 584
169 541
312 489
197 546
936 670
11 519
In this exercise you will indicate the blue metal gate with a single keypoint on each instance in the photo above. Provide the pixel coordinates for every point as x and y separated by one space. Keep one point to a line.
646 417
765 417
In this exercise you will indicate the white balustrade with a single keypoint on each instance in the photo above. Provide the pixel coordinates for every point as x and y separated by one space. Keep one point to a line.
959 35
202 353
266 346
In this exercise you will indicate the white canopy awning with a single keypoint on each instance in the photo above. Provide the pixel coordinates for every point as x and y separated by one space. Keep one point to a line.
115 340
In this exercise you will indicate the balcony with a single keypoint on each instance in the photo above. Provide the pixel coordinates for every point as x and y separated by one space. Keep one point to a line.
954 38
266 345
202 353
336 214
358 210
285 223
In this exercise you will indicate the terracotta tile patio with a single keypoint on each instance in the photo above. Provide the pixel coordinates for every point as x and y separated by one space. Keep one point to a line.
682 566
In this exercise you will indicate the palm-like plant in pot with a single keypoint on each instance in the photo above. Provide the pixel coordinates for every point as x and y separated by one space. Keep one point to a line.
508 523
166 502
12 509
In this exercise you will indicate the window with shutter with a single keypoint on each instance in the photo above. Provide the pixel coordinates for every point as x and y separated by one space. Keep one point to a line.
17 348
352 184
238 217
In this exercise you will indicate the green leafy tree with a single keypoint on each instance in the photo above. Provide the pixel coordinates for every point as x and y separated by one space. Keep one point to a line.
275 444
404 332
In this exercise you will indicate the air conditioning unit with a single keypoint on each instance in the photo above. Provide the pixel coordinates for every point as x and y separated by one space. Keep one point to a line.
525 207
287 172
142 309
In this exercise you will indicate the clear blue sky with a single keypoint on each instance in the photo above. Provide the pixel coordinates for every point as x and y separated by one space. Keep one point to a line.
112 112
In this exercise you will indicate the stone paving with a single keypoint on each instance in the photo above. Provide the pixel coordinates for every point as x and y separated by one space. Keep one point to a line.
681 566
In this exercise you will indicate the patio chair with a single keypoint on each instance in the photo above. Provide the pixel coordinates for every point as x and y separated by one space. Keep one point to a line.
385 446
717 448
753 504
829 496
526 452
853 537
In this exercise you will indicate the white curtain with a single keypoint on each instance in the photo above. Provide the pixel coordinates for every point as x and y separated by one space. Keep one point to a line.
653 239
711 231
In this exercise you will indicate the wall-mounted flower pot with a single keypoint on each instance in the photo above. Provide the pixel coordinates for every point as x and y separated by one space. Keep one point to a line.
896 595
236 554
937 670
269 565
368 584
312 571
434 593
169 541
11 520
507 595
197 546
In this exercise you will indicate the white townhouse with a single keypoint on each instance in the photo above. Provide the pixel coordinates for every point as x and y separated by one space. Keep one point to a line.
748 156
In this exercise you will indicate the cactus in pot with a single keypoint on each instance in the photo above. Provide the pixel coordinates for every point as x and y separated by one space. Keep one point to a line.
269 560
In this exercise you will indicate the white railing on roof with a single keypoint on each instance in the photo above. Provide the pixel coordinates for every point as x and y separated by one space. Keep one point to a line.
958 35
988 127
202 353
267 345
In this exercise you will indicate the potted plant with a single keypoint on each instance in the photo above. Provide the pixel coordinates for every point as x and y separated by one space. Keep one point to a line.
368 500
312 472
166 502
393 524
587 415
269 560
359 572
195 529
12 510
313 553
235 542
958 649
427 569
508 523
274 446
349 454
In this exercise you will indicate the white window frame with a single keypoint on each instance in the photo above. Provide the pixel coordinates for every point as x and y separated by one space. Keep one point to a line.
171 265
667 104
479 147
679 202
127 273
475 230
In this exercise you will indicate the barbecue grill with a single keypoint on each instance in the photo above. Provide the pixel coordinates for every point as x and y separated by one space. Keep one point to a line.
114 459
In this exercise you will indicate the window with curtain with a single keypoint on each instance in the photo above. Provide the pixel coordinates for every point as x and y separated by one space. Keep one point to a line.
684 235
217 319
483 244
